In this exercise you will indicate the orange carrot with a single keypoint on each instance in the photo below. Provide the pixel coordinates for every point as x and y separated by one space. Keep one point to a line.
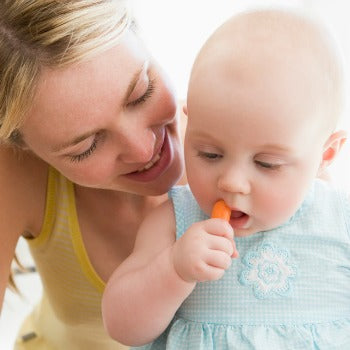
221 210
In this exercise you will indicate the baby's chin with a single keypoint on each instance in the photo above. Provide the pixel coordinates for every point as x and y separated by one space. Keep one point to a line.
244 233
252 228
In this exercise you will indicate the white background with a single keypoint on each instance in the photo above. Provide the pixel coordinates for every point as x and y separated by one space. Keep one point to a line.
174 32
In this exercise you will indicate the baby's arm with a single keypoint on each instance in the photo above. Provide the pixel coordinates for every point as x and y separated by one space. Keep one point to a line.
144 293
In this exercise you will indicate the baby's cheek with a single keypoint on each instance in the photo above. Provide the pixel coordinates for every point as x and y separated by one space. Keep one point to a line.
279 208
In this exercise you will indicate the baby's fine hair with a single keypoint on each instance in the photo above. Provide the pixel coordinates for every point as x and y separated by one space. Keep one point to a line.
278 34
49 33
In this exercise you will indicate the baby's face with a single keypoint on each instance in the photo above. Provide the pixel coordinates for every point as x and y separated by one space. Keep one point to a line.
252 139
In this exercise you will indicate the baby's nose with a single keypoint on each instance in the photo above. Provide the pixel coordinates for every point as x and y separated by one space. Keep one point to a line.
234 181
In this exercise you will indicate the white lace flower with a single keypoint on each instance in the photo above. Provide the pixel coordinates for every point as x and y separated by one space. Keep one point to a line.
268 270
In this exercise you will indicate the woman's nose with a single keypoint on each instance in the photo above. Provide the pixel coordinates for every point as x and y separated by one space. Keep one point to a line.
234 181
137 147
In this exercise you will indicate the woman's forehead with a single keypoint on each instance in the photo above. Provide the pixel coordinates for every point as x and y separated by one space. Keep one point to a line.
84 89
115 67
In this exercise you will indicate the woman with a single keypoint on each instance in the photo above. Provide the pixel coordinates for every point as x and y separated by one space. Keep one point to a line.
90 145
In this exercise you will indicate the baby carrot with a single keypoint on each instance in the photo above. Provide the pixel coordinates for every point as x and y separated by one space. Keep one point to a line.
221 210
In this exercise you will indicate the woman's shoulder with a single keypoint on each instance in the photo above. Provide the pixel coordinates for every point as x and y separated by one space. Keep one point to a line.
23 180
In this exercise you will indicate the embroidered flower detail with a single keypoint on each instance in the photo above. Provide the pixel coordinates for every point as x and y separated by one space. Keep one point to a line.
268 270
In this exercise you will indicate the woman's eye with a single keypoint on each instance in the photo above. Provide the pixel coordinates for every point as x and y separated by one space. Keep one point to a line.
145 96
85 154
267 165
208 155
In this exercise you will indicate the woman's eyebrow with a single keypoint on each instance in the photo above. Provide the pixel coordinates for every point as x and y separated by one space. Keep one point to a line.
134 80
73 142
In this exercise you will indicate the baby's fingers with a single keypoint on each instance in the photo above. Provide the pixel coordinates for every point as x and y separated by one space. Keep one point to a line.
219 227
235 251
205 272
219 259
222 244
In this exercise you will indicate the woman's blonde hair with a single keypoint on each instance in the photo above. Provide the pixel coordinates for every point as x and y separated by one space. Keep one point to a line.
48 33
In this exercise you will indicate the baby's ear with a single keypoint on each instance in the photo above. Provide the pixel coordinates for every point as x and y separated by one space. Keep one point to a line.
332 147
184 108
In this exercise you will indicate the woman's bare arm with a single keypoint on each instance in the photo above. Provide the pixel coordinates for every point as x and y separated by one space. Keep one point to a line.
22 201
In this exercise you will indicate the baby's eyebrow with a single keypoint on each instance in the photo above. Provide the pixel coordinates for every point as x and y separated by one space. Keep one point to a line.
276 147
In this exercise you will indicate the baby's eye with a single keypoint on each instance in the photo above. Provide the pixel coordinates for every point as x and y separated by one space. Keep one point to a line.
209 155
266 165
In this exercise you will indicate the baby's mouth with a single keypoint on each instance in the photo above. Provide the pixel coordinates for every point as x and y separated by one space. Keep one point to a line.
238 219
237 214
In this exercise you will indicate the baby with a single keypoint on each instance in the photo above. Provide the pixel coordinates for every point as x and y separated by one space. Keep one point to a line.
265 95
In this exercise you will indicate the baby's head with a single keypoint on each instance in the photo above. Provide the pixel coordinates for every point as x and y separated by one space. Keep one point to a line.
265 95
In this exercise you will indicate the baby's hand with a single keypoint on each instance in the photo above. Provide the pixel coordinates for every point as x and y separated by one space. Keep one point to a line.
204 251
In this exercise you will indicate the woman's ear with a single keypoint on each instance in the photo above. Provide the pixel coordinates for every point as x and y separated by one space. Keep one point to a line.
331 148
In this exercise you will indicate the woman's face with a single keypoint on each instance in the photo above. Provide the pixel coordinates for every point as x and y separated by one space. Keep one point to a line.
109 122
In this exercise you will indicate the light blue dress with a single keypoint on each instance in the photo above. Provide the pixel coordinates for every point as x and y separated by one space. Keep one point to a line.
289 289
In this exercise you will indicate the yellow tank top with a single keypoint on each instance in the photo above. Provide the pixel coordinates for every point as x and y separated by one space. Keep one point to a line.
69 314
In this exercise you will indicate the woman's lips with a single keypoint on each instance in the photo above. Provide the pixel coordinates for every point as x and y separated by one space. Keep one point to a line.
157 166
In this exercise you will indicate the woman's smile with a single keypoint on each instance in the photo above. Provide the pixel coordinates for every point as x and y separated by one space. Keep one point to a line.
157 165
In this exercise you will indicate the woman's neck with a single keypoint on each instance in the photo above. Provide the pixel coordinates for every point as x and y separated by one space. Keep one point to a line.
111 201
109 222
